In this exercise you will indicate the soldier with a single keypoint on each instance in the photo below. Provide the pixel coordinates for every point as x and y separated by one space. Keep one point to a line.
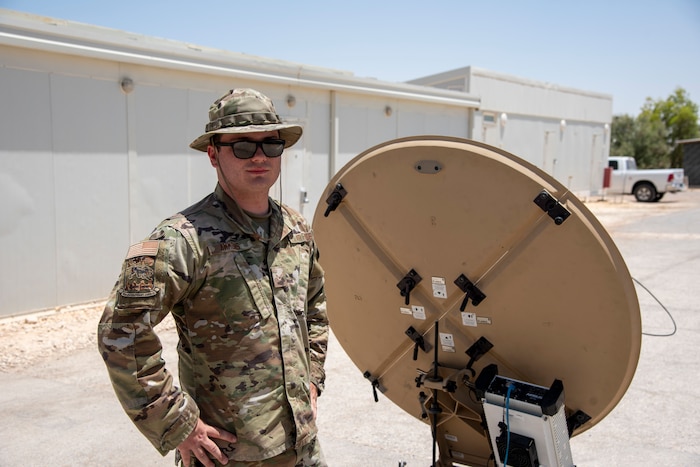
241 277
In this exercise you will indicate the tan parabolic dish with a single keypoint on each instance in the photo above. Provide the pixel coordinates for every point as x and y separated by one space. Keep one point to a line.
560 303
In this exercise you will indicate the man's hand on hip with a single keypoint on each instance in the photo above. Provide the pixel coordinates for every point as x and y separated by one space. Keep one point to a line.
200 443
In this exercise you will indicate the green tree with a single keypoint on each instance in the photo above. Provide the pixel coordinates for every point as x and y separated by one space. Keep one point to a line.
642 138
622 136
650 146
679 115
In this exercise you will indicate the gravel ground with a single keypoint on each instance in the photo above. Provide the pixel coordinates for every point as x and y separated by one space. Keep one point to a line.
27 340
30 339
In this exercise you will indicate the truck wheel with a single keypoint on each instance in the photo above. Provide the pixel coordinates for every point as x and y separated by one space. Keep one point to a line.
645 192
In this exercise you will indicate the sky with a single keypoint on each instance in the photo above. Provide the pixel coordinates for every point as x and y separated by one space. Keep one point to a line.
629 49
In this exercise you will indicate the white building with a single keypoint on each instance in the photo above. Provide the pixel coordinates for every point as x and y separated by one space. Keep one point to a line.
561 130
96 125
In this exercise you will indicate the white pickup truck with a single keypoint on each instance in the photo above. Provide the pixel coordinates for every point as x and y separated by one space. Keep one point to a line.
647 185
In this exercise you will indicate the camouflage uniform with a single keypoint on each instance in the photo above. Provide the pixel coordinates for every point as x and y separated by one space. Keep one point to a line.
251 317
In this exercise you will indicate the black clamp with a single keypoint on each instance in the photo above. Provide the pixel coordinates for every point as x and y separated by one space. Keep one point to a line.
335 198
577 419
375 384
408 283
476 351
551 206
471 291
481 385
419 341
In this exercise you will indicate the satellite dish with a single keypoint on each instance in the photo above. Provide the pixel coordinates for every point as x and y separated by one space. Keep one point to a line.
427 233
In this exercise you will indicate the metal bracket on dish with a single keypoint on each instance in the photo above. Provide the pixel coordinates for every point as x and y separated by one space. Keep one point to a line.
408 283
419 341
551 206
375 385
471 291
335 198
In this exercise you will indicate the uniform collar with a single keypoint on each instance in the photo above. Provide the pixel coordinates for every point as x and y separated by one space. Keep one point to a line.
279 224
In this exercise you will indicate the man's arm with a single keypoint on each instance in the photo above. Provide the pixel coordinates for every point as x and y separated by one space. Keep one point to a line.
150 283
317 322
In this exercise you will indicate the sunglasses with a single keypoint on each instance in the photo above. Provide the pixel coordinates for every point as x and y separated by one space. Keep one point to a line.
245 149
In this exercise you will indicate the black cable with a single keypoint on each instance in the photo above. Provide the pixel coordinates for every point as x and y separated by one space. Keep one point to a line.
675 327
434 406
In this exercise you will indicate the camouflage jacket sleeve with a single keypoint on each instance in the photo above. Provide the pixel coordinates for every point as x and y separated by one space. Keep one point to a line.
317 322
316 316
153 278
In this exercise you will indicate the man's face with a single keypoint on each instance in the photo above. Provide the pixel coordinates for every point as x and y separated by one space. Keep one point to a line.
245 178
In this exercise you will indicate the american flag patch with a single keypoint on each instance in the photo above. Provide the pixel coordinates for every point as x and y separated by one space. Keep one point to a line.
147 248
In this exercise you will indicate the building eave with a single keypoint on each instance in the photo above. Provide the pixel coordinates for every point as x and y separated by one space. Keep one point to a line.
70 38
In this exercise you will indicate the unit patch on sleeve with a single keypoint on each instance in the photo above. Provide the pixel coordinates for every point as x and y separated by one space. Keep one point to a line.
139 269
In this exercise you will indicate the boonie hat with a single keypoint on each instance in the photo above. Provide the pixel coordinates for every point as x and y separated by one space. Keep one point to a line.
245 111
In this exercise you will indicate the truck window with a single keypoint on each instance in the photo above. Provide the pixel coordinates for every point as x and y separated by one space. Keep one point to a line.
631 164
612 164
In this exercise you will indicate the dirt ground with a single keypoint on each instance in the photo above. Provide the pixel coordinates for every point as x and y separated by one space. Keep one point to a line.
26 340
30 339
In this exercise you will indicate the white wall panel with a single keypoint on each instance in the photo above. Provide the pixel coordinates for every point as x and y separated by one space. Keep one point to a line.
160 173
27 216
91 198
317 144
201 175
